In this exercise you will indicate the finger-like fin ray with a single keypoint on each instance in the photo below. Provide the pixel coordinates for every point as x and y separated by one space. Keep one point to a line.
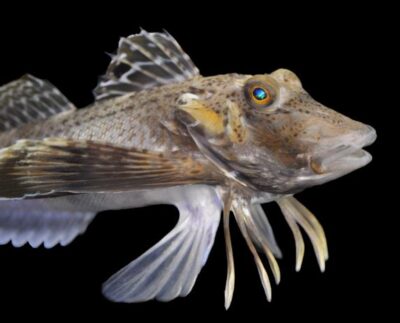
295 213
230 277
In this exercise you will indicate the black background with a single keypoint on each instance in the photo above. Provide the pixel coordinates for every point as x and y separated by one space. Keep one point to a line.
342 55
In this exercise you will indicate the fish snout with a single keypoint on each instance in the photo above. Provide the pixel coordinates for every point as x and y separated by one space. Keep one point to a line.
344 152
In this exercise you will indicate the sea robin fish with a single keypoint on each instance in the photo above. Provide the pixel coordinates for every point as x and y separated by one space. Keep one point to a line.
161 133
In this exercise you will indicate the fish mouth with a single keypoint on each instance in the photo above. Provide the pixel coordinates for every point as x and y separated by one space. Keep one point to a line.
344 158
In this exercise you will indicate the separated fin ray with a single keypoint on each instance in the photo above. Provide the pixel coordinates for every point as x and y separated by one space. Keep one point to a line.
262 240
32 168
143 61
170 268
230 273
30 99
242 214
296 214
38 222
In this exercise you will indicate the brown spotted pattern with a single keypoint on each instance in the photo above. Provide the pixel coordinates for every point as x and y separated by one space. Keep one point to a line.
263 142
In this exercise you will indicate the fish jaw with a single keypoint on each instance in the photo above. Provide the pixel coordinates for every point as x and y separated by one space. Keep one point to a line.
341 156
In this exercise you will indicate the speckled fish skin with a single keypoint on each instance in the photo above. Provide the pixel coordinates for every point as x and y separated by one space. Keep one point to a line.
229 151
147 120
133 120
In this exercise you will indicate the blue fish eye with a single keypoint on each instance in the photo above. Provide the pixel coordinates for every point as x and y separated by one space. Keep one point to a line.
260 94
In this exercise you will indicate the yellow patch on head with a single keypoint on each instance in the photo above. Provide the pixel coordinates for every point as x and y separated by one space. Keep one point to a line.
207 117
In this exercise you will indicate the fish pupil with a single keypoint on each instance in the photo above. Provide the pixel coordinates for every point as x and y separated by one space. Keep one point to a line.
260 94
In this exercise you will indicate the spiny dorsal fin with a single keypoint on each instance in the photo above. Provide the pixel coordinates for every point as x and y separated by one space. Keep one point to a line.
144 61
29 99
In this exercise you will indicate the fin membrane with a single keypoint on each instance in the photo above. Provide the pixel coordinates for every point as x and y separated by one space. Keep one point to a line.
170 268
261 221
36 223
31 168
29 99
144 61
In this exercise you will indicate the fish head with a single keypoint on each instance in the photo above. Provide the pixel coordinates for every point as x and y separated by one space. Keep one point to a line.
269 134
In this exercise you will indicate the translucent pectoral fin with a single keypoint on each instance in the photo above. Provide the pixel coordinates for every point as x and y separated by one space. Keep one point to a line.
170 268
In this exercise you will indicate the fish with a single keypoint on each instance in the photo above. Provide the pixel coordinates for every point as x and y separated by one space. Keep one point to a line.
158 132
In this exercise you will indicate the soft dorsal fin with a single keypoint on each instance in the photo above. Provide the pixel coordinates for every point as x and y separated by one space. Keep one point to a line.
144 61
29 99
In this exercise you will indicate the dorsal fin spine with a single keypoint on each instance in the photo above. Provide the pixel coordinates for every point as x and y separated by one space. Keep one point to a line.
173 57
148 55
125 61
144 61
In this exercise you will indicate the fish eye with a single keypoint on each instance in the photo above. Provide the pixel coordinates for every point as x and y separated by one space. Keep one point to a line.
259 93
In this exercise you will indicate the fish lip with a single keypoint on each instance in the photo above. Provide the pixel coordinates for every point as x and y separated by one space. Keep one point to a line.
344 157
349 157
353 160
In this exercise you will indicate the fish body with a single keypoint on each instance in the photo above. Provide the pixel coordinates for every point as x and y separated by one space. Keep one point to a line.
159 132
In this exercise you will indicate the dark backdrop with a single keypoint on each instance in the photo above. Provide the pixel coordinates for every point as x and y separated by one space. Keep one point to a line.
340 54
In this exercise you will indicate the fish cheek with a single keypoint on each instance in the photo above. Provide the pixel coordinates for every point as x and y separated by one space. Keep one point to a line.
279 136
236 129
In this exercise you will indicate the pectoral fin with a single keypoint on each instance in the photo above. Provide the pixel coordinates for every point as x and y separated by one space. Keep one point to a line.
53 165
170 268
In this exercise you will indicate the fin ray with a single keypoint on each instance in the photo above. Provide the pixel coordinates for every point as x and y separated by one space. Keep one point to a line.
38 167
296 214
143 61
170 268
30 99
